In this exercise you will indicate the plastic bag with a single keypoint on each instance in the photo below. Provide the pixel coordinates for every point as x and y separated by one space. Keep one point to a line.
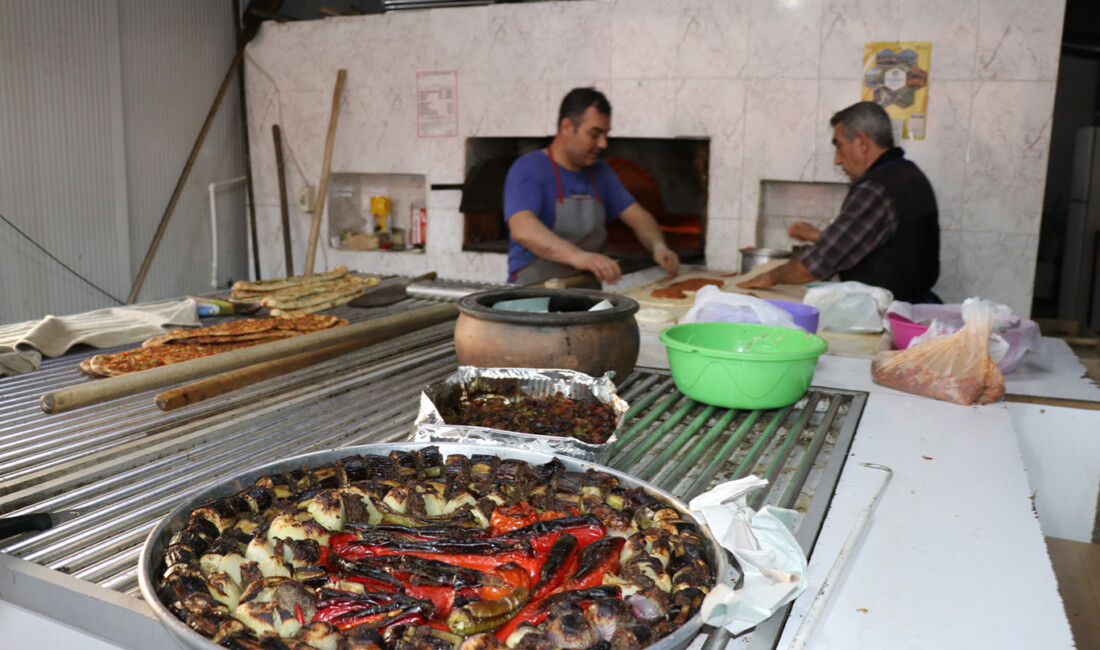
849 306
1011 340
952 367
712 305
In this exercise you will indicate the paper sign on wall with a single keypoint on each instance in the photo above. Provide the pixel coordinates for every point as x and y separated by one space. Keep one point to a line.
895 76
437 104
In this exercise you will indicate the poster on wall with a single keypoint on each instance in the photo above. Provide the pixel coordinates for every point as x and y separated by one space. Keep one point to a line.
437 104
895 76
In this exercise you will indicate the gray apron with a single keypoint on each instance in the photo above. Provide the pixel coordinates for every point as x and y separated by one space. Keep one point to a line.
577 220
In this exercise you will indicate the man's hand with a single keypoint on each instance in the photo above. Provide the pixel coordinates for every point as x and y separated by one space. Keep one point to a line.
667 259
803 231
792 272
603 267
762 281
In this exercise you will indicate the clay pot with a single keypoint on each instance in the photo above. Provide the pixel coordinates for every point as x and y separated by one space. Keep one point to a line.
569 336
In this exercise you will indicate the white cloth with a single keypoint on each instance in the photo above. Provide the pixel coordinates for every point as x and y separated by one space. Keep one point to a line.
23 344
772 562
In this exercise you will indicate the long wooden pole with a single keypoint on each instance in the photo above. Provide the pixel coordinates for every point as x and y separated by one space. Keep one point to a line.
204 389
280 167
140 280
249 188
95 392
322 188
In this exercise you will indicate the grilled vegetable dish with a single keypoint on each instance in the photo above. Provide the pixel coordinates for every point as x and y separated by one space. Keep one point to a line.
554 415
413 551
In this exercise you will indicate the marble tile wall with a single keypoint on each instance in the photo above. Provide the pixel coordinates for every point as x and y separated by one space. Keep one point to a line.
760 78
782 203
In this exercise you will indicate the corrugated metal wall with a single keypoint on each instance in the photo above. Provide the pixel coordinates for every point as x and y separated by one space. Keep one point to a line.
100 103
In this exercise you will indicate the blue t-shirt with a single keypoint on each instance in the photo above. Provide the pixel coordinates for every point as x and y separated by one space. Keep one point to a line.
530 185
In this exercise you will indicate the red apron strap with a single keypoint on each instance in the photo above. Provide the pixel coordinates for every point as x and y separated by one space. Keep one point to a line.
557 174
557 178
595 188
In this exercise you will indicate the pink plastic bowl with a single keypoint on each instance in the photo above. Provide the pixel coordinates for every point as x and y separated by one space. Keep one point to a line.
904 330
805 316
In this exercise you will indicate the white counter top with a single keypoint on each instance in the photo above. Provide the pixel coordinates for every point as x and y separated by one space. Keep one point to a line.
954 556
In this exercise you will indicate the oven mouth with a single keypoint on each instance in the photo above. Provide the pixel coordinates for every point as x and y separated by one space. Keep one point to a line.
666 176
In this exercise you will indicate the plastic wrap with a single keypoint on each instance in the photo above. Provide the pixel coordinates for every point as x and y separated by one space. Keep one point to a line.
532 382
712 305
1011 339
848 306
953 367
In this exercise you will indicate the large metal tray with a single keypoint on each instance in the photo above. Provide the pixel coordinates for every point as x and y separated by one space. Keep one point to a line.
150 564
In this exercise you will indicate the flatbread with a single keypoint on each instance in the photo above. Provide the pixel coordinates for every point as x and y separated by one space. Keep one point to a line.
292 281
318 296
185 345
249 328
343 300
121 363
679 290
298 291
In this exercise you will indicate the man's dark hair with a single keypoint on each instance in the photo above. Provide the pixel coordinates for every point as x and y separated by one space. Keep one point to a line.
866 117
577 101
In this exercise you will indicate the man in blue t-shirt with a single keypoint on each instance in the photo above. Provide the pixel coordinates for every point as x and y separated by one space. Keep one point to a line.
558 200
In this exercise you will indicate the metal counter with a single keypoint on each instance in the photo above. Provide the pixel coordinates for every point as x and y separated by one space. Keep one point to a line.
126 463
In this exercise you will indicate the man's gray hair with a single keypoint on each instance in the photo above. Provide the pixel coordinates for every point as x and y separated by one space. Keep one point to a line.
866 117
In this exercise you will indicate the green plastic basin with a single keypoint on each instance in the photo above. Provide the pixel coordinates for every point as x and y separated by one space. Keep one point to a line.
740 365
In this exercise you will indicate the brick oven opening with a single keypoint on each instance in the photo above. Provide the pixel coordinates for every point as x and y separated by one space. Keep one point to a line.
666 176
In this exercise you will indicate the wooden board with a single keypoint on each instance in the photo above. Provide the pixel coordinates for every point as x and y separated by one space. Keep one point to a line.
840 343
642 293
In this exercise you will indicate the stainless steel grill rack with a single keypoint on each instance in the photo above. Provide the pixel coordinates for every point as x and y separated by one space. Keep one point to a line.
125 464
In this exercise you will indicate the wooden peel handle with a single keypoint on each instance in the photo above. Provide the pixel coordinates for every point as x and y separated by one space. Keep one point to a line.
95 392
234 379
319 209
576 280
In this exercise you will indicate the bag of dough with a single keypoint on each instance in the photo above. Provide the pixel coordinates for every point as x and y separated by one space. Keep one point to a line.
953 367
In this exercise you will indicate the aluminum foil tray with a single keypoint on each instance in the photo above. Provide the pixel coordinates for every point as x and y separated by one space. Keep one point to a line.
430 426
151 561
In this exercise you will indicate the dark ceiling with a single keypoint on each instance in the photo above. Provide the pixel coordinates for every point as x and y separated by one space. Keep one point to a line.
1080 37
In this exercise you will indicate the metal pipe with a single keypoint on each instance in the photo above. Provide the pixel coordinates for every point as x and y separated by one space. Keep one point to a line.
809 621
163 226
679 470
214 226
780 458
647 444
794 488
704 477
658 463
629 434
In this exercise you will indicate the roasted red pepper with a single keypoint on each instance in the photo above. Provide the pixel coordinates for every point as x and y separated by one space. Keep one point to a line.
484 563
598 558
543 534
555 566
442 598
511 517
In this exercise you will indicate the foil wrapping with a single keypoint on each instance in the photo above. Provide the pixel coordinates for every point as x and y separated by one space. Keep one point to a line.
532 382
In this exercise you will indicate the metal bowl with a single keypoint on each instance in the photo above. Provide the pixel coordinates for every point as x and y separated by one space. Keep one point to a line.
150 564
754 257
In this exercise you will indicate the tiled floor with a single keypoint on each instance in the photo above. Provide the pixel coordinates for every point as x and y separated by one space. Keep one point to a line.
1077 566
